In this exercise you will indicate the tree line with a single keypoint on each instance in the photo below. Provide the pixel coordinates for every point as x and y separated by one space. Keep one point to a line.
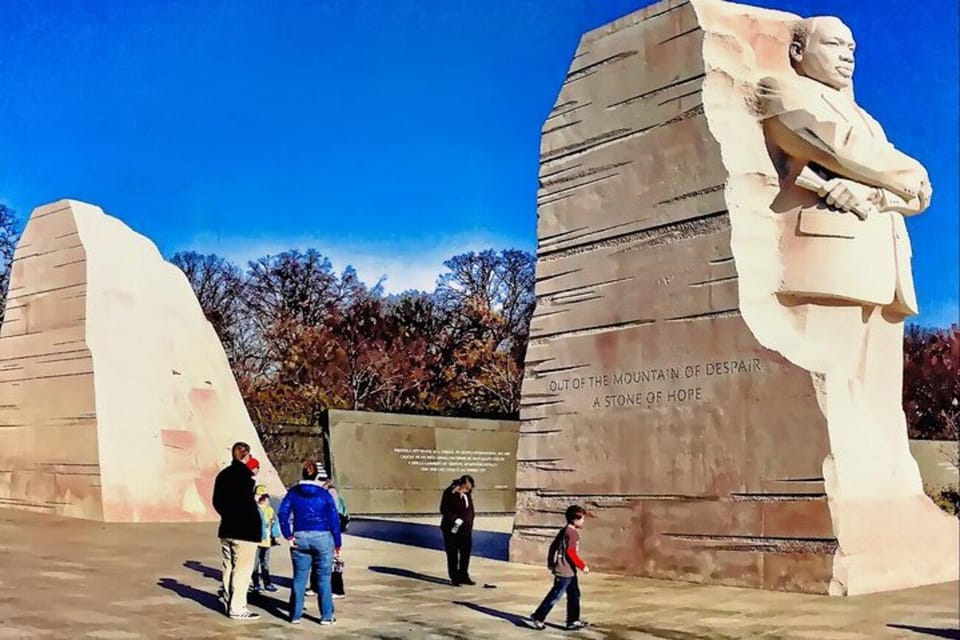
302 338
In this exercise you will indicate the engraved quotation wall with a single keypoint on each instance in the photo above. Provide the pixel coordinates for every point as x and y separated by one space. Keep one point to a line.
399 464
649 387
454 461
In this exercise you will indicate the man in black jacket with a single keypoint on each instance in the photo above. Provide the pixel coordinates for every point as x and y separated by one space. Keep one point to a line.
240 531
456 523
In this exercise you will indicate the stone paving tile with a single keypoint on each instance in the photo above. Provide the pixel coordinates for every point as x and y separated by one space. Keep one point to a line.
63 578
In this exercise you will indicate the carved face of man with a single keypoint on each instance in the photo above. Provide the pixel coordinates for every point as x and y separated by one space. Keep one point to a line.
826 53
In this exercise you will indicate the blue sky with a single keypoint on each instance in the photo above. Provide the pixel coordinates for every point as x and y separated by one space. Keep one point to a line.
386 134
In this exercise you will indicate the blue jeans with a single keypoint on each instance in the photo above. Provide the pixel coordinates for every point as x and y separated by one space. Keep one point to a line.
313 549
570 586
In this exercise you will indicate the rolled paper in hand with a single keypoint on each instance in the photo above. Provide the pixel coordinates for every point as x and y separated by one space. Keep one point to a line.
811 181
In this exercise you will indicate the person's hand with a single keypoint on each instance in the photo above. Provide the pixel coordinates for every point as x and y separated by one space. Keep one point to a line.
838 196
336 553
292 541
586 569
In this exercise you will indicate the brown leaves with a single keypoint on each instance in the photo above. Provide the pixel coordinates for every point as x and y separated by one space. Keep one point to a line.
302 338
931 385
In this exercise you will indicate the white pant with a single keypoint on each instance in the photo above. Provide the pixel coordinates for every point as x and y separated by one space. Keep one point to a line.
238 558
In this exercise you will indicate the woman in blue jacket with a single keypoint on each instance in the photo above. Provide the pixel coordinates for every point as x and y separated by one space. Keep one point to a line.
310 521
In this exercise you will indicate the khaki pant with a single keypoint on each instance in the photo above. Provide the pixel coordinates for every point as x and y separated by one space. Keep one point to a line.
238 558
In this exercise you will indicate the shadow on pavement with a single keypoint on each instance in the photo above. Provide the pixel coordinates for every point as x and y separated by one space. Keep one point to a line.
274 606
204 570
927 631
216 574
406 573
512 618
204 598
486 544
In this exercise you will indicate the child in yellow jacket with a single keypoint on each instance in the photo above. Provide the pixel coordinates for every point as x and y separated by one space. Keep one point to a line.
270 537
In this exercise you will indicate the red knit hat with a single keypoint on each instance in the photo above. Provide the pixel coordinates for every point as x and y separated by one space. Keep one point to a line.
253 464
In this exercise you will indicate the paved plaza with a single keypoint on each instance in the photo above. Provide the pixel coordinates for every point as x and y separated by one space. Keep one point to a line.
64 578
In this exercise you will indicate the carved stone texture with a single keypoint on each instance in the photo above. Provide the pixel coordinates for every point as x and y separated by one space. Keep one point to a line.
386 463
669 388
117 402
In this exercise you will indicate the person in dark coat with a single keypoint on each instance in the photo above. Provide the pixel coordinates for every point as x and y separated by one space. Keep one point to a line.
240 531
456 523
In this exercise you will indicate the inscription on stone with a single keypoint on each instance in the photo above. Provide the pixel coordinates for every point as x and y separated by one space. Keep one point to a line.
452 460
653 386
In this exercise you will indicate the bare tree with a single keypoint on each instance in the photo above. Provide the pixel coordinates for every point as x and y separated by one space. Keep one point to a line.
9 236
219 286
299 287
501 283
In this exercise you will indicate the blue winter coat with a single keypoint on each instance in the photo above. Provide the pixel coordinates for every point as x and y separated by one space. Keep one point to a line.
308 506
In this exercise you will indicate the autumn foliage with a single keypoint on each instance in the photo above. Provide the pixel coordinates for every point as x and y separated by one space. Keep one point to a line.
302 338
931 384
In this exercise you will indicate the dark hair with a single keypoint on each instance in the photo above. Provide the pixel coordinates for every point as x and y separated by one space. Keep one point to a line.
309 470
574 511
464 479
800 32
239 450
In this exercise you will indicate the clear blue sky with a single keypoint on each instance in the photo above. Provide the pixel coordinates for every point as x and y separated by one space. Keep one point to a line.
390 134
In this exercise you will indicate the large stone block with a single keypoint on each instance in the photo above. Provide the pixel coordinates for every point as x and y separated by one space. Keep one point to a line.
117 402
720 422
386 463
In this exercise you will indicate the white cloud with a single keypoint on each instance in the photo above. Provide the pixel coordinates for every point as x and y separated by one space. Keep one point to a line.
406 265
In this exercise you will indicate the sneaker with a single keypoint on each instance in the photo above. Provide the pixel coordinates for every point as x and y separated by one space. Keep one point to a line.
537 624
254 589
577 624
337 596
467 581
297 621
309 592
271 588
326 623
245 615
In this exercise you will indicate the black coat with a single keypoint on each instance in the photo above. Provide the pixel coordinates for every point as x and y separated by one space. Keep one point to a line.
233 500
452 506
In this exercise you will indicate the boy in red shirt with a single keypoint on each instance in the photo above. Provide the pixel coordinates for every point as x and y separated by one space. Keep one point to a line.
564 561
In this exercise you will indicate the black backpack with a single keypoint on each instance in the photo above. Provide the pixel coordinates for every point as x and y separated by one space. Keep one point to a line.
557 549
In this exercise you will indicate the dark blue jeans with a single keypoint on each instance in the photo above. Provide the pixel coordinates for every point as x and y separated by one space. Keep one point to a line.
261 568
570 586
313 549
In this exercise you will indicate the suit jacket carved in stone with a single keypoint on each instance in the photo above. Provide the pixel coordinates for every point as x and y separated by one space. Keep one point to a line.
827 254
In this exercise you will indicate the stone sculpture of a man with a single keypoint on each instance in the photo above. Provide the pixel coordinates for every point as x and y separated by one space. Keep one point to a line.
845 287
845 254
848 186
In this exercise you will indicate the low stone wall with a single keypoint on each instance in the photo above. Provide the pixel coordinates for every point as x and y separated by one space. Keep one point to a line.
398 464
290 444
937 460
